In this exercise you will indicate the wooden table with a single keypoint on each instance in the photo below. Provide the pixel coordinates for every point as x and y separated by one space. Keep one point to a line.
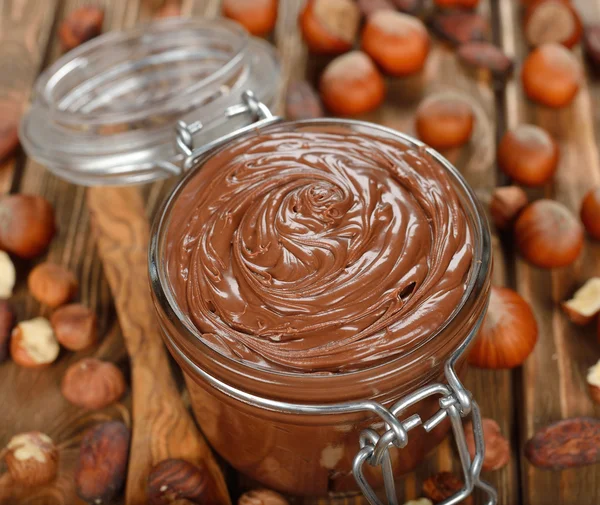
550 386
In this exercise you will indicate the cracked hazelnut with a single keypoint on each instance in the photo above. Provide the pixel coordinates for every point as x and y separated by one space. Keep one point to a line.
497 448
177 479
75 326
506 204
398 43
548 235
8 275
528 155
508 334
329 26
31 459
33 343
551 75
80 25
7 321
593 381
552 21
26 225
262 497
585 304
351 85
443 485
444 122
93 384
257 16
52 284
590 213
302 102
102 462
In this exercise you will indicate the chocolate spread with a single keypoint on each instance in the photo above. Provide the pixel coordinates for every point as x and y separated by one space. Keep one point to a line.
319 249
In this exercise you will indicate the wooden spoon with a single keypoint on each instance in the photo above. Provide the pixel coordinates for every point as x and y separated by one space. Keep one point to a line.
162 427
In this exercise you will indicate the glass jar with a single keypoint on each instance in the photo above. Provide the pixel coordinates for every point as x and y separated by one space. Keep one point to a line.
106 112
296 432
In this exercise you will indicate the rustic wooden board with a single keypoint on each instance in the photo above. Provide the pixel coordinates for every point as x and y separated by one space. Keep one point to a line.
553 379
551 385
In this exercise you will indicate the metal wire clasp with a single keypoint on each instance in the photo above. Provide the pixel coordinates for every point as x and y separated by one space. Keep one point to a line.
184 140
456 403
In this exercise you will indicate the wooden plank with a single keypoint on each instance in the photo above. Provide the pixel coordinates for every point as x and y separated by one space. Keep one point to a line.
553 385
25 27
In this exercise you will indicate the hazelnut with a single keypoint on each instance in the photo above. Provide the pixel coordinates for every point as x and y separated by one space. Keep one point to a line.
81 25
551 75
497 448
461 27
257 16
10 113
368 7
52 285
398 43
176 479
506 204
444 121
329 26
420 501
7 321
169 10
75 326
302 102
593 380
262 497
552 21
93 384
508 334
457 4
102 462
590 213
585 304
351 84
8 275
443 485
591 43
31 459
26 225
548 235
487 56
33 343
528 155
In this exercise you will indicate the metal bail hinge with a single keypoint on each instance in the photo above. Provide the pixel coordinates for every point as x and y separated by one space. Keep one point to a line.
184 140
455 403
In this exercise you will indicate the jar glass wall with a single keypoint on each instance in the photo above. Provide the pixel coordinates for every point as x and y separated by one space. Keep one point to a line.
312 453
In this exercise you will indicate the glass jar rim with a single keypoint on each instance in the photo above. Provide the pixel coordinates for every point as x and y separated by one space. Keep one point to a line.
478 274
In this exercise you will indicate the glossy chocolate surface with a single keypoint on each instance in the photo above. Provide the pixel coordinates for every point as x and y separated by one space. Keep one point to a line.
319 249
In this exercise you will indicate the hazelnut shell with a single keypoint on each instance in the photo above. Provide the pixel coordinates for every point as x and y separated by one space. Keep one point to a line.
93 384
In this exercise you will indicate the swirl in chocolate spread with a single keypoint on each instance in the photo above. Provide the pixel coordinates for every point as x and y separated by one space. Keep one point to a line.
318 250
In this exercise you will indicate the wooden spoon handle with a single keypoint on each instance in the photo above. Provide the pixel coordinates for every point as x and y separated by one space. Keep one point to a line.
162 427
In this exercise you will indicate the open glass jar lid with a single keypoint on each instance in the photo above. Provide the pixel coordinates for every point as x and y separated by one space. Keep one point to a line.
106 112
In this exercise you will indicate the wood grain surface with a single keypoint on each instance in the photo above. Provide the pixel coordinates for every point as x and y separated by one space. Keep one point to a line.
162 427
551 386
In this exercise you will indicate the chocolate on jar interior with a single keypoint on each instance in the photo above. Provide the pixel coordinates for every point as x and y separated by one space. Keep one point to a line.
317 262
